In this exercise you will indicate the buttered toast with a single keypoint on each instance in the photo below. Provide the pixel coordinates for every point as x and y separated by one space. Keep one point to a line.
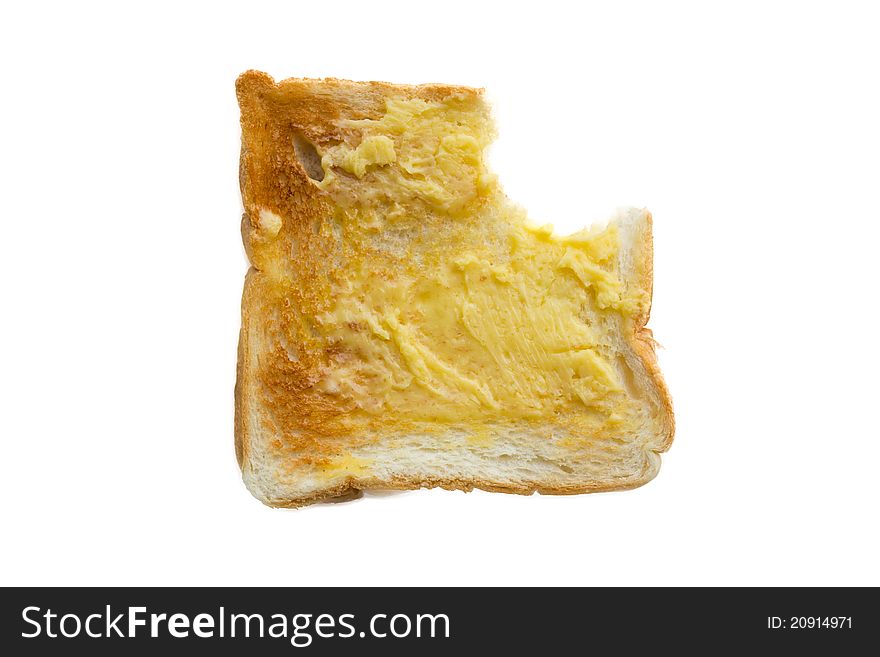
405 325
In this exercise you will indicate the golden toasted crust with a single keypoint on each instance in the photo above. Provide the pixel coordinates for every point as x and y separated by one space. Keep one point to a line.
642 342
272 177
315 106
348 491
242 382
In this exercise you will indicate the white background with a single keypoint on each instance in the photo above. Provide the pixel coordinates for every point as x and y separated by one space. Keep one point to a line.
751 131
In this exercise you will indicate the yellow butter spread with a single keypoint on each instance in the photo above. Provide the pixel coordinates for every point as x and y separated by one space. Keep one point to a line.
444 303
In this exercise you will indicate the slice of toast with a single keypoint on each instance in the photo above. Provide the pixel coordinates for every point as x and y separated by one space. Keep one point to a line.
404 325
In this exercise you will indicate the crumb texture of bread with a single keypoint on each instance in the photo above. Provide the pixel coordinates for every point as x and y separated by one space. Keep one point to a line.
405 325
